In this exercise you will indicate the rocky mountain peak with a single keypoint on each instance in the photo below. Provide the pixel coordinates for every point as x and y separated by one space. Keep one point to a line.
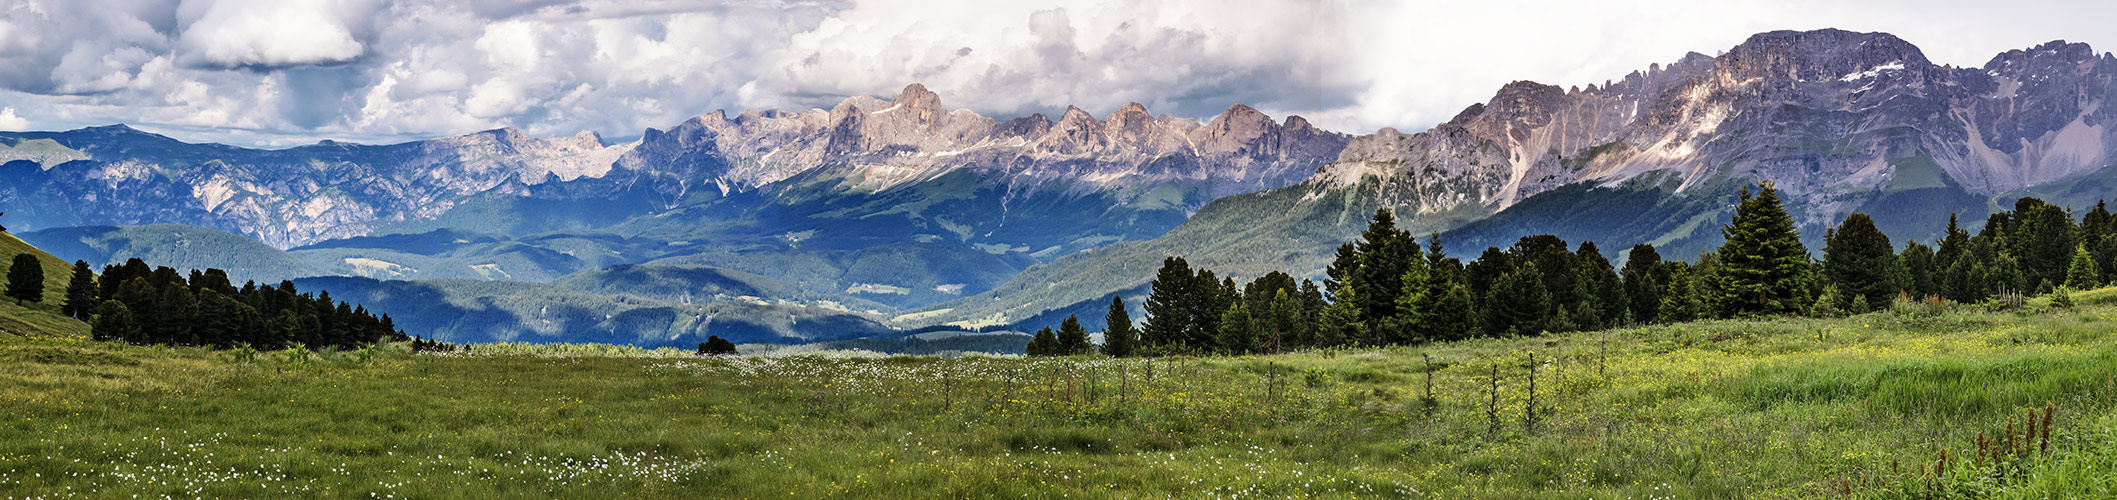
925 104
2053 55
1819 55
1234 129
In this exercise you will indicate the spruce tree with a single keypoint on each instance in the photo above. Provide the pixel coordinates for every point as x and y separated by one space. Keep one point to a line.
1920 277
2044 244
1044 343
1340 271
1168 311
1643 283
175 314
114 322
1119 338
1339 323
1680 301
25 279
2083 274
1386 253
1763 268
81 299
1518 304
1861 262
1072 339
1238 334
1284 329
1442 303
1603 288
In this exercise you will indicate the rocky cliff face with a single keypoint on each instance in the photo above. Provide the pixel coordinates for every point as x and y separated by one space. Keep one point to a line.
1840 121
333 190
1819 113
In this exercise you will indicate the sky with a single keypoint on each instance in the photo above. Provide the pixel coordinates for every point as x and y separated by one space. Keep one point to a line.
278 73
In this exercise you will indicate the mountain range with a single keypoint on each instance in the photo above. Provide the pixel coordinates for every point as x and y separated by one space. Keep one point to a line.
902 212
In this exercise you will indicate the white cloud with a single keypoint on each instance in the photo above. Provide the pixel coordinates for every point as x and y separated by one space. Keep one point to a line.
294 71
10 122
233 33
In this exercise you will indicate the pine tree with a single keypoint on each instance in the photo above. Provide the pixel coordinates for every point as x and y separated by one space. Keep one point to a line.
1072 339
113 322
1443 304
1285 328
81 299
25 279
1830 303
1044 343
1168 313
1340 271
2044 244
1339 323
1643 283
1238 334
1764 268
174 315
1386 253
1680 302
1602 288
2082 274
1920 277
1518 303
1119 338
1861 262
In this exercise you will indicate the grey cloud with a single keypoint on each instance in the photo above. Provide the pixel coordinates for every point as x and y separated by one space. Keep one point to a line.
283 72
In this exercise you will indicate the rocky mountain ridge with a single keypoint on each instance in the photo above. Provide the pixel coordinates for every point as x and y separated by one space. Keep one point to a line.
1839 121
334 190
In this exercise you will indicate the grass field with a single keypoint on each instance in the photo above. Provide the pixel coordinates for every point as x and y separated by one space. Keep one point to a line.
1799 408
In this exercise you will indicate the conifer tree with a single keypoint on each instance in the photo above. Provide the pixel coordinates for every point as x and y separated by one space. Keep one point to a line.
1442 305
81 299
2083 274
1602 287
1044 343
174 315
2043 242
1072 339
1285 328
1919 273
1339 323
113 322
1643 283
1861 262
1518 303
1680 302
1830 303
25 279
1238 335
1340 271
1386 253
1763 268
1168 309
1119 338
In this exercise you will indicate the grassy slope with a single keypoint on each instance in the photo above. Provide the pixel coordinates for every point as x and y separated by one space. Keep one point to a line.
37 318
1779 409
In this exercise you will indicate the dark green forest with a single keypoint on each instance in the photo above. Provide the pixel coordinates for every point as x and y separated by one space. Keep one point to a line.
137 304
1386 288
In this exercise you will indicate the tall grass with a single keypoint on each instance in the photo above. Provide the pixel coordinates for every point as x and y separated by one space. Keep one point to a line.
1765 409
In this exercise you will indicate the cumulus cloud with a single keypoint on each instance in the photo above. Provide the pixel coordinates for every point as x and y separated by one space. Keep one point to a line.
238 33
10 122
282 72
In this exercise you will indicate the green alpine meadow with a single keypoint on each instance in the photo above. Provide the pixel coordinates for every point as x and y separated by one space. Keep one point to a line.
1056 249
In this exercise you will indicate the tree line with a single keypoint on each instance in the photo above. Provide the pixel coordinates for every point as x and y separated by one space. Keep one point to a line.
140 305
1385 288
